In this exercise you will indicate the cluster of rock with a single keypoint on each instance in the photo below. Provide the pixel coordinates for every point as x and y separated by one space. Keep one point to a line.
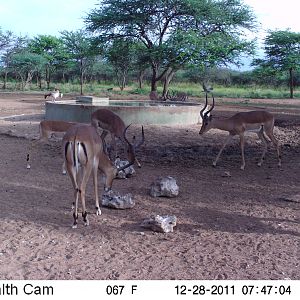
114 199
161 187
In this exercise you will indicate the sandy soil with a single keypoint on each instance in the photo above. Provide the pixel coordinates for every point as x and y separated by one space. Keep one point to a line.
242 226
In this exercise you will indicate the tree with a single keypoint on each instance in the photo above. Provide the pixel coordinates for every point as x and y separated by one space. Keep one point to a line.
25 64
162 24
101 70
80 48
282 50
13 44
141 62
5 39
50 47
121 63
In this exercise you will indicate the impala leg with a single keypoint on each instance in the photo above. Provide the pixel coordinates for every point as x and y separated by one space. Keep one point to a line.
265 143
221 150
110 174
28 161
33 149
29 154
95 181
75 211
64 172
242 144
72 172
84 181
276 144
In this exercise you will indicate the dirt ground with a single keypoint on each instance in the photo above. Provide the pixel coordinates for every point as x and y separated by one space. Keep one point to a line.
232 224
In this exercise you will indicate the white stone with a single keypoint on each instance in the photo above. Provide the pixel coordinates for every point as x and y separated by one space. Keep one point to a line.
164 187
160 223
115 200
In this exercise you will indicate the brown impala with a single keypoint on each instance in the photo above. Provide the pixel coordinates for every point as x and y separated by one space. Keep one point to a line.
108 122
260 122
83 154
46 128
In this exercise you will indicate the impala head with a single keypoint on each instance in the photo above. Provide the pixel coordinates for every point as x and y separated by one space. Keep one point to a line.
206 116
131 148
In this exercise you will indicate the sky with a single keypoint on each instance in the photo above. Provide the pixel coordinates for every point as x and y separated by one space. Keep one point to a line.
276 15
34 17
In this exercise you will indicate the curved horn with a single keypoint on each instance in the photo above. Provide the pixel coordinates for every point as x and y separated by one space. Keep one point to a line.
132 149
124 134
142 141
203 109
212 107
131 162
136 146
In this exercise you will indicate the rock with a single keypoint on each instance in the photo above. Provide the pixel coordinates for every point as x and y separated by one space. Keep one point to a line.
115 200
160 223
128 172
164 187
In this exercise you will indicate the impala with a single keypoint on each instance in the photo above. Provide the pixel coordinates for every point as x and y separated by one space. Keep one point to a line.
111 123
83 154
260 122
54 95
46 128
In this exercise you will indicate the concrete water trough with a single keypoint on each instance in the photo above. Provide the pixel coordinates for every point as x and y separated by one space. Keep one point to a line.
131 111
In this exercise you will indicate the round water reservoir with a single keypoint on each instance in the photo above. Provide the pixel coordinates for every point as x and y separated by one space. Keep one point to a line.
131 111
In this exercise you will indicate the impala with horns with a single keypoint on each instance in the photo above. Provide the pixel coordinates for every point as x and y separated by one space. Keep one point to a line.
105 121
260 122
83 155
46 128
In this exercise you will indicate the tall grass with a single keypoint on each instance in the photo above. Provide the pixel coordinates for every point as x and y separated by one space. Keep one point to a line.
251 92
191 89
